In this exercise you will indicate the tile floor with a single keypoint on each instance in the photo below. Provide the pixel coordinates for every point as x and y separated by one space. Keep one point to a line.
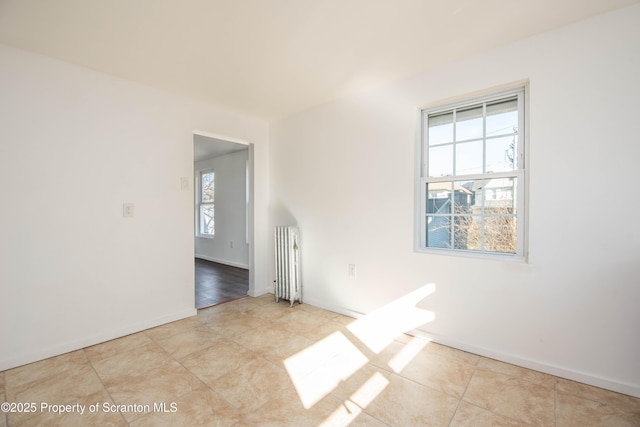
252 362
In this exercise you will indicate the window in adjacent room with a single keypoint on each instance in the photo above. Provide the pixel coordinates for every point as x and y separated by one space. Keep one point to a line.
472 176
206 203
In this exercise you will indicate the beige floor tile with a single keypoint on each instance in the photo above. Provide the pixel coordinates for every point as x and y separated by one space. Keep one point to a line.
239 306
136 361
215 312
511 397
172 328
469 415
363 386
445 374
111 348
270 311
252 385
286 348
384 359
535 377
317 370
345 320
201 407
450 352
3 416
44 369
233 325
350 414
619 401
167 383
87 418
299 321
287 411
576 411
318 311
406 403
188 342
262 339
328 328
221 357
68 386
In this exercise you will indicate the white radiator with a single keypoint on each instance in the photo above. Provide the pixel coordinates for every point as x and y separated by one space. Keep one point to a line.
287 284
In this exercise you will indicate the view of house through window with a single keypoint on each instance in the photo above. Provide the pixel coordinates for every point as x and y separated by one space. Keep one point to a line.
472 176
207 193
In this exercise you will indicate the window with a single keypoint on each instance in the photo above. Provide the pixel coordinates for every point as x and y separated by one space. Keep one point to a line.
206 203
472 176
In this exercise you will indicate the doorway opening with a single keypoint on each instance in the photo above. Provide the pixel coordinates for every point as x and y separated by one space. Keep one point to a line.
223 216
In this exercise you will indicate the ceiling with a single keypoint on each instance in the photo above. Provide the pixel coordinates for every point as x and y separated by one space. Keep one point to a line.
272 58
205 147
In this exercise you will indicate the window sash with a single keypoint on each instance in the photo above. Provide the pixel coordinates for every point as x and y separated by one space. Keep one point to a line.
492 105
206 202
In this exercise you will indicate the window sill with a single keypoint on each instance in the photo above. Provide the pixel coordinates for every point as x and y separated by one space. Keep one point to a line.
206 236
476 255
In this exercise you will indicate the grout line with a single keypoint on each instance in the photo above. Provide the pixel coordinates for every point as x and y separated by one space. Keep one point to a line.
106 390
555 402
463 393
4 389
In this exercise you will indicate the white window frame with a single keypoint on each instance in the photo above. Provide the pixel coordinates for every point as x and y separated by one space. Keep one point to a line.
202 204
521 91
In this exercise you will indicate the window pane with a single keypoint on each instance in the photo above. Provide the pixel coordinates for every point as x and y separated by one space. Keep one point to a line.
439 197
499 196
207 219
468 233
441 160
441 128
502 117
469 158
438 231
463 197
501 154
208 187
500 234
469 123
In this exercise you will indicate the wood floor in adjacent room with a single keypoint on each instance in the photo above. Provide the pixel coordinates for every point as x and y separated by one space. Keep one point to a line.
255 362
217 283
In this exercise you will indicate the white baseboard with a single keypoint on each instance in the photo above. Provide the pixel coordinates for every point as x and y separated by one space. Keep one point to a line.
41 354
335 309
558 371
258 292
223 261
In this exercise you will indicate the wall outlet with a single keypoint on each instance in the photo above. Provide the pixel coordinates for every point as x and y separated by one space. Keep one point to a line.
127 210
352 270
231 245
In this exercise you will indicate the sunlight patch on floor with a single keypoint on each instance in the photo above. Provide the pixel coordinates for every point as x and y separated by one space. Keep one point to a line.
360 399
401 359
369 390
319 368
344 415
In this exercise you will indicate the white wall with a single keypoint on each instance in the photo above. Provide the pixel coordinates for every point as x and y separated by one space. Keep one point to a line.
344 172
229 245
75 145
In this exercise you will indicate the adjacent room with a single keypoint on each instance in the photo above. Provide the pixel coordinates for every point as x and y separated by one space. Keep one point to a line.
221 235
430 156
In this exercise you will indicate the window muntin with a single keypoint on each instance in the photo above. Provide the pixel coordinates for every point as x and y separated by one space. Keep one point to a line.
472 176
206 203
